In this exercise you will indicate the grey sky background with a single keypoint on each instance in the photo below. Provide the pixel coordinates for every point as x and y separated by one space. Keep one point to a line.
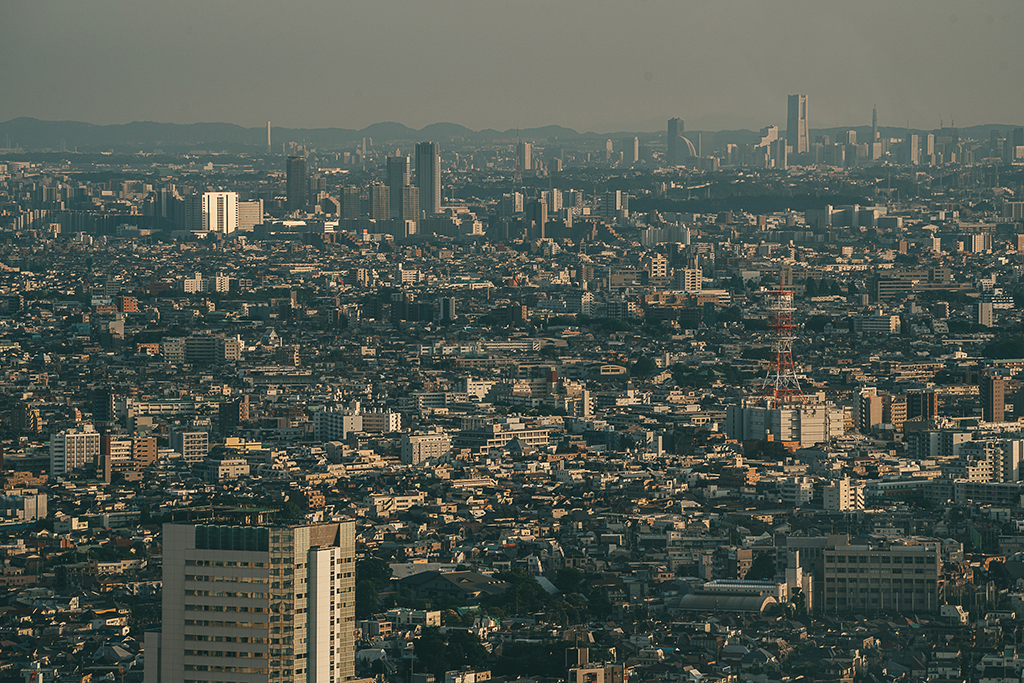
592 65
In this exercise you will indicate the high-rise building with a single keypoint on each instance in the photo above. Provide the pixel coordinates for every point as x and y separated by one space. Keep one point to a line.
250 214
448 308
398 180
428 177
993 396
72 449
220 212
380 202
351 203
922 403
297 183
524 156
631 150
796 125
410 207
256 603
675 132
983 310
867 411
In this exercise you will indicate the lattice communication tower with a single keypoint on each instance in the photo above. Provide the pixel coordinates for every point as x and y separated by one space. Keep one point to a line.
782 385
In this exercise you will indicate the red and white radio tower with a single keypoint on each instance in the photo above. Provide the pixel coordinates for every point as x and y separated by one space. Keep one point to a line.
781 386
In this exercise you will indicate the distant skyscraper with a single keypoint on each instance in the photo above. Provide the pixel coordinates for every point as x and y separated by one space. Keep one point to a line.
675 131
398 179
410 204
796 125
351 203
525 156
631 150
220 212
874 124
380 202
428 177
298 184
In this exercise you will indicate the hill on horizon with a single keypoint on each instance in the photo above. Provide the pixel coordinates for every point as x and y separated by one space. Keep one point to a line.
36 134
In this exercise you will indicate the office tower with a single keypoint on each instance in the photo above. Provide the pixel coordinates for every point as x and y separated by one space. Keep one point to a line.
524 156
993 394
220 212
675 131
905 575
250 214
380 202
398 179
297 184
409 210
631 150
268 137
72 449
796 125
537 216
851 137
256 603
351 203
428 177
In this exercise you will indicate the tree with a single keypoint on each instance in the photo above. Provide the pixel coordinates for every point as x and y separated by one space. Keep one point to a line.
366 599
811 288
1007 347
763 567
374 570
568 580
644 367
438 655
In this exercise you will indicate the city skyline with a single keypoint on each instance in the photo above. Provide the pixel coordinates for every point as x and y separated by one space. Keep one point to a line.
717 67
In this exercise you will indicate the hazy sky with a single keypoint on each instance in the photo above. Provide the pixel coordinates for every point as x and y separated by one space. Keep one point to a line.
598 65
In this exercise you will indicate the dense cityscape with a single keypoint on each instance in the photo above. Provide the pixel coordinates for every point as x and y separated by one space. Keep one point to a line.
535 405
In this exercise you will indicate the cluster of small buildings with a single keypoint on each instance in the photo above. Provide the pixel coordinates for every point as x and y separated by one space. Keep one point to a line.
549 394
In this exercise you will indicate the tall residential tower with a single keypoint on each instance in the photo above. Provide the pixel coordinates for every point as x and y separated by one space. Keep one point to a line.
428 177
252 604
298 184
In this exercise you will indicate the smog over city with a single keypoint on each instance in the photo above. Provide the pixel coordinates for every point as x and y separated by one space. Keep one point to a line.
536 342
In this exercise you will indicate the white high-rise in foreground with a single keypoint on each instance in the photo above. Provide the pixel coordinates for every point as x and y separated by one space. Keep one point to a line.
256 604
220 212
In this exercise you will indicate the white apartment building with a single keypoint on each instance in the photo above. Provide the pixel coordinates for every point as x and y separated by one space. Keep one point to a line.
254 604
843 495
72 449
417 448
220 212
193 445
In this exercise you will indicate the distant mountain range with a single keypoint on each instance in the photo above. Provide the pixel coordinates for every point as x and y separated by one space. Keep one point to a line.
34 134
